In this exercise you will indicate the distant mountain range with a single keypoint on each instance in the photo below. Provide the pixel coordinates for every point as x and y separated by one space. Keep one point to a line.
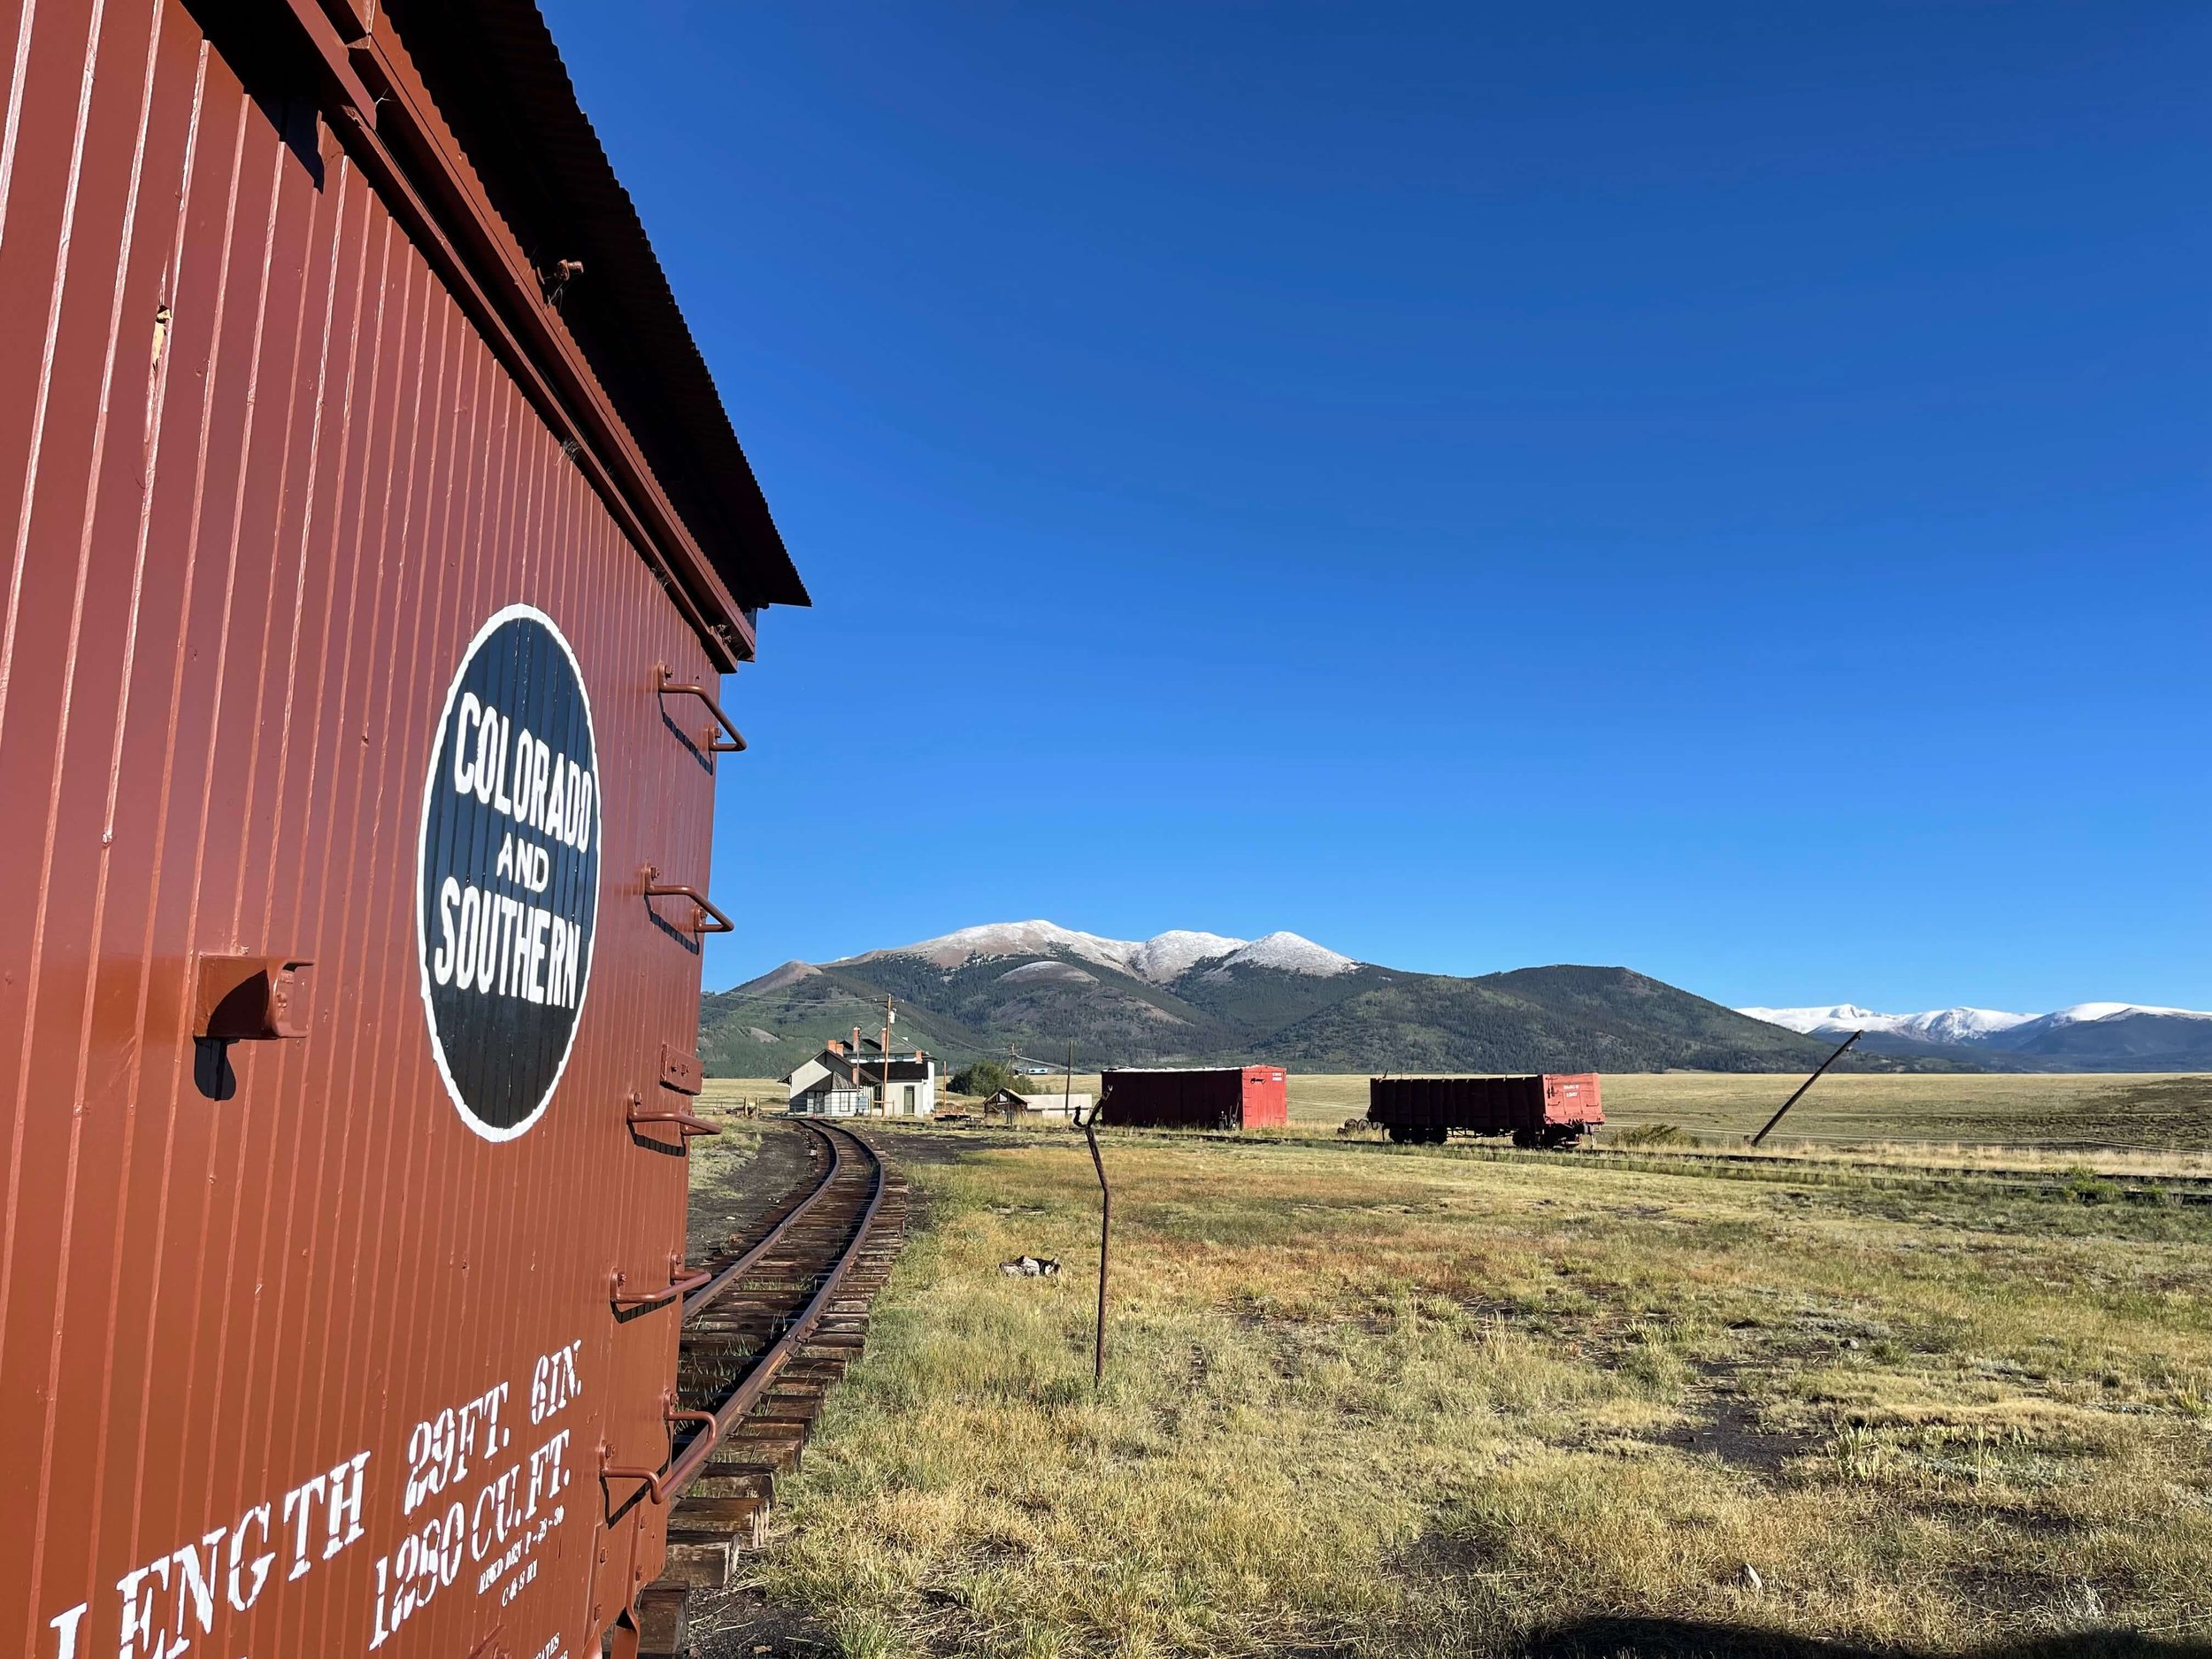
1206 998
2087 1037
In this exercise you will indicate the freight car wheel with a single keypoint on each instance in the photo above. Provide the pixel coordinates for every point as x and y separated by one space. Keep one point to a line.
1524 1140
1399 1133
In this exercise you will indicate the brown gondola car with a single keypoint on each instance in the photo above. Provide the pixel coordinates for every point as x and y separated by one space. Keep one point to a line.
1194 1097
1536 1110
375 540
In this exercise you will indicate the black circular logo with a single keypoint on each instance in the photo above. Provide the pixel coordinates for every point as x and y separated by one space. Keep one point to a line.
509 871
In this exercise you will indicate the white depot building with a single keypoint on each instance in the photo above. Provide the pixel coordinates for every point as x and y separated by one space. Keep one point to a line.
859 1079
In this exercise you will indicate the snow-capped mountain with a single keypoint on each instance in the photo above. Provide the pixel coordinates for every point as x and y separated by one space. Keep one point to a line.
1942 1024
1289 952
2112 1034
1161 960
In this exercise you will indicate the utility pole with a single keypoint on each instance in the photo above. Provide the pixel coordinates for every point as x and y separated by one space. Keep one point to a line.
889 1019
1807 1084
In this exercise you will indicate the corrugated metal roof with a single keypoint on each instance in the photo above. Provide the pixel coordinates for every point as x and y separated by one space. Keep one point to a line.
498 80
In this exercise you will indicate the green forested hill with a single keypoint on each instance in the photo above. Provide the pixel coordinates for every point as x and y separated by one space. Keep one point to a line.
1366 1019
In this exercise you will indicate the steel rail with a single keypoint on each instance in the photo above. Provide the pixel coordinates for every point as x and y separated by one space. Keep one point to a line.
1649 1160
686 1465
725 1277
661 1486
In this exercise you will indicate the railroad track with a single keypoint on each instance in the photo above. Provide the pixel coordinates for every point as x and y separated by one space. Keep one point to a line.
2189 1188
782 1314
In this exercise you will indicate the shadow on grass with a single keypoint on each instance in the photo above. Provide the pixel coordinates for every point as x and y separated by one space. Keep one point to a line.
1690 1639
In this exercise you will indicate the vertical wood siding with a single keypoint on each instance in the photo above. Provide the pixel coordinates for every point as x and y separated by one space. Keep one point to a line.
260 481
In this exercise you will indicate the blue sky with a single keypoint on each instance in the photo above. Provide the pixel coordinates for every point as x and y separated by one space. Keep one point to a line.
1715 489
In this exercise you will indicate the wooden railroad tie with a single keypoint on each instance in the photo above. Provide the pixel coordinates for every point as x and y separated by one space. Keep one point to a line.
723 1513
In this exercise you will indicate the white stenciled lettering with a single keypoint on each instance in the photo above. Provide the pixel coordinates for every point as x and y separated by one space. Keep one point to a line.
525 751
548 1478
242 1600
499 784
300 1501
484 767
196 1586
487 943
500 905
530 803
581 817
65 1627
557 801
496 945
345 1503
166 1609
538 919
442 961
464 727
518 947
139 1623
557 964
472 914
554 1382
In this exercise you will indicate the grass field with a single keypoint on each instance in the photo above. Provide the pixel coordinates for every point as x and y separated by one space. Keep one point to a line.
2154 1111
1373 1401
2066 1111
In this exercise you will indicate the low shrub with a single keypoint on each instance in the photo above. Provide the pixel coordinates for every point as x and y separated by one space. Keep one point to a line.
2086 1186
1653 1135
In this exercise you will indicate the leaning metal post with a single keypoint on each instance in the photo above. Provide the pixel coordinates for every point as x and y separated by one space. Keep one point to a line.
1089 1120
1807 1084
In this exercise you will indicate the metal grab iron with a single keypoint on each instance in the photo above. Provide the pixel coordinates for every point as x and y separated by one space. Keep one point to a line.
688 1123
680 1286
668 686
658 1485
707 917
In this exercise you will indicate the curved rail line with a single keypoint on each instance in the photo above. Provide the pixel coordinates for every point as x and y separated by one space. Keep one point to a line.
2186 1185
727 1319
764 1338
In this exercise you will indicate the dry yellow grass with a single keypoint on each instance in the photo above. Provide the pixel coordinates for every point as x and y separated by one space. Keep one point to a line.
1389 1402
2157 1110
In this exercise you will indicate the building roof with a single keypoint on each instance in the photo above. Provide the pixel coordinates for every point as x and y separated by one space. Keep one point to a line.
864 1070
1055 1104
1188 1070
496 76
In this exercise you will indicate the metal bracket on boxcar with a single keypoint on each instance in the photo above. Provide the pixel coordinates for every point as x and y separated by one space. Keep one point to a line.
706 917
240 999
687 1125
679 1286
721 738
657 1481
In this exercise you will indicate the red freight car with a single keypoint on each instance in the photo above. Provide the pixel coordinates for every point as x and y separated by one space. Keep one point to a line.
376 539
1220 1097
1547 1110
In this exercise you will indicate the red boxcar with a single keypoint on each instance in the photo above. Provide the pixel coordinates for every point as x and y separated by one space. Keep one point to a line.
1215 1097
376 539
1545 1111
